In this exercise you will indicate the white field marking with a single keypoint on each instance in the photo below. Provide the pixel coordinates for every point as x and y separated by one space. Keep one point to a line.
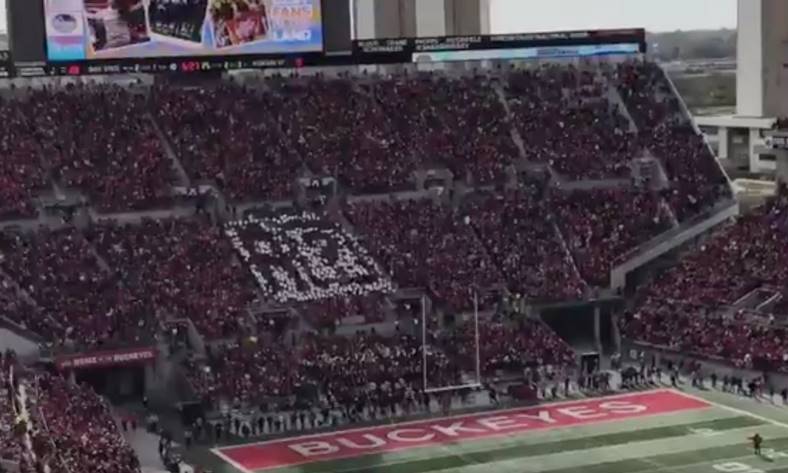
235 464
658 466
341 432
735 410
480 414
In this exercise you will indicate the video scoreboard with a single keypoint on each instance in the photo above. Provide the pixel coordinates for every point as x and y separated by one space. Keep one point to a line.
81 37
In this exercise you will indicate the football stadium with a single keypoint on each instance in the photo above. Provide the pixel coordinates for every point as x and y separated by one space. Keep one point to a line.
393 236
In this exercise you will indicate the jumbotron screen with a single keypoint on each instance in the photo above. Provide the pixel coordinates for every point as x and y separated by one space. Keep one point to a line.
118 29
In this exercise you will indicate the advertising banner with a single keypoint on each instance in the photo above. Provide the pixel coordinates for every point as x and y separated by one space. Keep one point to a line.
120 29
106 358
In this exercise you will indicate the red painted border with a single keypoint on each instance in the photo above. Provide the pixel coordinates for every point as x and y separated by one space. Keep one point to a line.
375 440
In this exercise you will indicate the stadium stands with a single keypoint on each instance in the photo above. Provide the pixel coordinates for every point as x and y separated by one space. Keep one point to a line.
565 119
541 207
179 269
100 140
427 245
687 308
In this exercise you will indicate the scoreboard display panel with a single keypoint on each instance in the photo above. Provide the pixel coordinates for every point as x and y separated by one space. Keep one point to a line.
84 30
79 37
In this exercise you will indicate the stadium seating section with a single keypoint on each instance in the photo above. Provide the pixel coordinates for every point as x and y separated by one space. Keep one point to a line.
544 204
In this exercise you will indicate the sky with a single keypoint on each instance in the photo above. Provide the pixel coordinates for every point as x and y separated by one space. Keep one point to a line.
520 16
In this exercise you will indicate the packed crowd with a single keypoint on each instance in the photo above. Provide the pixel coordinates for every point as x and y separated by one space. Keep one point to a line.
100 140
380 370
51 425
738 259
505 347
82 429
683 308
179 269
697 179
22 175
424 244
522 239
457 122
602 225
705 332
77 301
341 131
566 119
230 135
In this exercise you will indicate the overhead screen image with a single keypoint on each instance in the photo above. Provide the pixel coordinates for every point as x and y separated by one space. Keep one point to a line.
115 29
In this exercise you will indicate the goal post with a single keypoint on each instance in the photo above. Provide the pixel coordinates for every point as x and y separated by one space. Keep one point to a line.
474 383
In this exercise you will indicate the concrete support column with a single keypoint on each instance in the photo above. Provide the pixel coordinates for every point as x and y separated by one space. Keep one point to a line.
755 135
597 329
615 332
722 149
364 19
430 17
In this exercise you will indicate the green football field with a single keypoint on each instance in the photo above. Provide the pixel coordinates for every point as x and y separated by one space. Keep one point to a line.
580 437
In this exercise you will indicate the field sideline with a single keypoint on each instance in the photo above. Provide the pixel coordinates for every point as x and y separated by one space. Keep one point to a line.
659 431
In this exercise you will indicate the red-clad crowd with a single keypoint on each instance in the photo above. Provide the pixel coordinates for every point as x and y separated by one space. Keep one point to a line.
424 244
84 434
258 372
685 307
705 332
22 175
697 180
565 118
523 240
458 122
179 269
601 225
506 347
232 136
76 300
101 141
50 424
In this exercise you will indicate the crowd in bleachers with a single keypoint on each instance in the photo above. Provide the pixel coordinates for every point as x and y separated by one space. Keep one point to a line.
524 242
566 119
506 347
22 175
697 179
179 269
425 244
100 140
230 135
603 224
113 283
50 424
684 308
378 369
82 429
77 299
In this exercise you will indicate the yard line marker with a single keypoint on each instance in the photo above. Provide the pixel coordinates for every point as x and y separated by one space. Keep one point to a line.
233 463
734 409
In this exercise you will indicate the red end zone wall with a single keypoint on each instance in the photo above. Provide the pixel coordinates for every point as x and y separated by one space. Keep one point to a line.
390 438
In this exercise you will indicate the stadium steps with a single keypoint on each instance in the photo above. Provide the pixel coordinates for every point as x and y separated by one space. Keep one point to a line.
568 253
183 178
614 98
